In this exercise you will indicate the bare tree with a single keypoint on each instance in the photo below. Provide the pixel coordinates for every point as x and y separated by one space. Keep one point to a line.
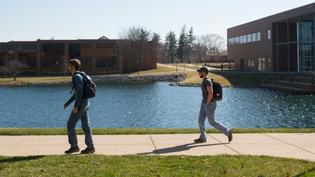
4 64
162 54
12 65
135 34
142 44
214 43
200 52
208 45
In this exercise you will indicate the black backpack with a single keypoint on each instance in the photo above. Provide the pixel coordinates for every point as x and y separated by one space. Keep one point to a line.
217 91
89 86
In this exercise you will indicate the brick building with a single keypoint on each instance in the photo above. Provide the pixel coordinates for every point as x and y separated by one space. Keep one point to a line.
98 56
282 42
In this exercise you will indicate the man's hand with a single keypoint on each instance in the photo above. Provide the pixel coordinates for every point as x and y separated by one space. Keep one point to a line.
75 110
65 106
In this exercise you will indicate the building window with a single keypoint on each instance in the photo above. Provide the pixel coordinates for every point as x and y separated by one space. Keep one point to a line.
251 63
254 37
249 38
261 64
269 34
258 36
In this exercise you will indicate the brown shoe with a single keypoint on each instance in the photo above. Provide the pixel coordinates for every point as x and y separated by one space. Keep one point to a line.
73 149
88 150
230 136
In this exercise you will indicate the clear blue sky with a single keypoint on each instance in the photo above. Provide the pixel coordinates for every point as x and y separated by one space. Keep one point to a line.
72 19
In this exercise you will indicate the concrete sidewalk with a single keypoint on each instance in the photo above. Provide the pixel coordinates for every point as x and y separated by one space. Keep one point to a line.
187 68
293 145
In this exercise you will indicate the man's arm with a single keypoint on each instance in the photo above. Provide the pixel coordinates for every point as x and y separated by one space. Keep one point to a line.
69 101
78 91
210 94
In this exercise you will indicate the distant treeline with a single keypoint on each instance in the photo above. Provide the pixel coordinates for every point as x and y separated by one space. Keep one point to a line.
187 48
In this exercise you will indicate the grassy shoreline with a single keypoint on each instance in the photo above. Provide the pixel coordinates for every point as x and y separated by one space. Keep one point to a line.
36 80
63 80
192 78
142 131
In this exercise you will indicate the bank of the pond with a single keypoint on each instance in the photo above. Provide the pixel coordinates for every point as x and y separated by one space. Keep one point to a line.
143 131
98 79
34 80
180 75
246 79
170 77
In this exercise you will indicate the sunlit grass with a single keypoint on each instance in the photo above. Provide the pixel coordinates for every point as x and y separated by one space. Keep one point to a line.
136 165
139 131
162 69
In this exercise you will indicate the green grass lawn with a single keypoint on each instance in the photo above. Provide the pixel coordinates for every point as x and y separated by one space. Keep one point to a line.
160 69
141 131
193 66
34 80
181 166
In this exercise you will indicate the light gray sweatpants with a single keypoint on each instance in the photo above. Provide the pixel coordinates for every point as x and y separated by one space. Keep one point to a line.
208 110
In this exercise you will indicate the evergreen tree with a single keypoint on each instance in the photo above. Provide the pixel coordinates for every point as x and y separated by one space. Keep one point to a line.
156 37
170 46
182 43
189 47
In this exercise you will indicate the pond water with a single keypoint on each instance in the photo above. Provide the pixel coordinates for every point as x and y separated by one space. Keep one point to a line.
155 105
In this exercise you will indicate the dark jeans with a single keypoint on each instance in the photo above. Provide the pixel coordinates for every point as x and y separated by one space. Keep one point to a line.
73 119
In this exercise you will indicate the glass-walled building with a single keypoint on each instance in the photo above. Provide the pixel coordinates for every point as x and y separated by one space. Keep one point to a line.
285 42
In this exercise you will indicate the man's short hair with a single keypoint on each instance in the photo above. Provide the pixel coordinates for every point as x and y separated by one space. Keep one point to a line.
203 69
76 63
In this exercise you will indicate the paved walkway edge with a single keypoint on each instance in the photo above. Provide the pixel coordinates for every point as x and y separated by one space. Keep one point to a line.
290 145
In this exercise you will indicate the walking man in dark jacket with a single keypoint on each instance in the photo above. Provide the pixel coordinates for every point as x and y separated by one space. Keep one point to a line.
207 109
79 111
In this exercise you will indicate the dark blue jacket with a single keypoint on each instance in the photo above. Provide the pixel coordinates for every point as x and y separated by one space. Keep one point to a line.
78 89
